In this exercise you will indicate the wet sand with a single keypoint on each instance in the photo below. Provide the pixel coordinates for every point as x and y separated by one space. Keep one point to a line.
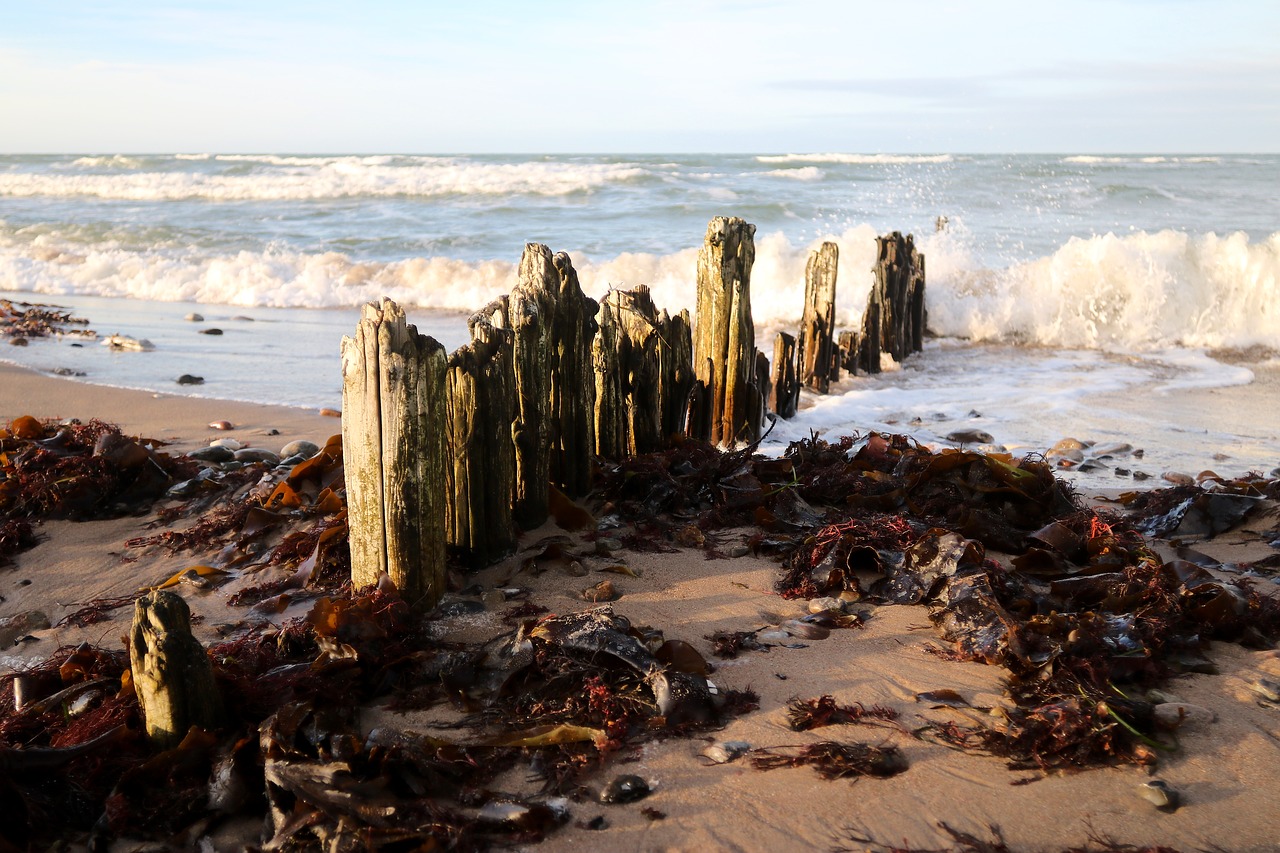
1228 772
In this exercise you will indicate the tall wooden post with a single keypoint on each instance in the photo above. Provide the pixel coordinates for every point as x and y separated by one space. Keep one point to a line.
724 350
895 318
553 324
818 323
393 445
481 466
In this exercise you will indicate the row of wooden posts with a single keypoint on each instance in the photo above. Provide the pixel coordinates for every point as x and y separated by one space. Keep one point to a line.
463 449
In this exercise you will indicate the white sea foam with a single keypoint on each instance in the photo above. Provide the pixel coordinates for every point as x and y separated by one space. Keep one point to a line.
855 159
324 177
804 173
1140 291
1090 159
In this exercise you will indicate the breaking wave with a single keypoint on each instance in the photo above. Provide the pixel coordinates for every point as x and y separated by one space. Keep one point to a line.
855 159
1140 291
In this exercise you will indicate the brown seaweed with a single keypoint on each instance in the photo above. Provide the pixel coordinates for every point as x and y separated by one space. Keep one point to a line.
806 714
834 760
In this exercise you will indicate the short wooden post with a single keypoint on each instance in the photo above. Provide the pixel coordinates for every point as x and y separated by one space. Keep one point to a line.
481 466
724 334
393 444
817 326
675 371
172 675
849 353
786 385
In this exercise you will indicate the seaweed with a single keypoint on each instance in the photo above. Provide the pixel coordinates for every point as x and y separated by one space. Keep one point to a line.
834 760
806 714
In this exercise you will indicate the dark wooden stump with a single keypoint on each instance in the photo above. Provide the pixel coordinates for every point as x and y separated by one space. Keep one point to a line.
172 675
724 334
481 467
817 326
786 384
393 445
644 374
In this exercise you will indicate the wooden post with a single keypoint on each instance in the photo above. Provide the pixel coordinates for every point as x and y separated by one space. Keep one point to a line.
818 323
675 370
553 325
898 300
393 444
644 372
786 385
724 335
849 353
481 466
171 672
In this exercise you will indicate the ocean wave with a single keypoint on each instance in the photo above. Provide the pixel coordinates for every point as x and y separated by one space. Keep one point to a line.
804 173
1091 159
298 178
855 159
1141 291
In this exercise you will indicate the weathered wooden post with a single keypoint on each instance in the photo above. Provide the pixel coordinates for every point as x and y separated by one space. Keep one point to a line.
393 445
481 467
553 324
786 384
172 675
849 354
724 335
898 294
817 326
644 371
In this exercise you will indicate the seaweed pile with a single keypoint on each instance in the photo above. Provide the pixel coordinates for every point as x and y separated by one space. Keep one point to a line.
38 321
77 471
1083 616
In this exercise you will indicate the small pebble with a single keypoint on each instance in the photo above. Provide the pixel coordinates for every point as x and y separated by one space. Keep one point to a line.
220 425
824 605
213 453
603 591
330 413
970 436
606 546
575 569
228 443
210 331
194 318
493 598
1178 478
256 454
739 551
726 751
627 788
301 447
774 636
690 536
188 379
1159 793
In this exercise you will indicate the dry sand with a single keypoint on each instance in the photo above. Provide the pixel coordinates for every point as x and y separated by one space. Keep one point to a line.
1227 772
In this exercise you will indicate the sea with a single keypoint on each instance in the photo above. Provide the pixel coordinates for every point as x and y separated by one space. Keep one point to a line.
1068 295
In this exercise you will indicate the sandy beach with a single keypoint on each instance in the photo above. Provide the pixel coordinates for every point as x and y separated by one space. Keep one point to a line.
1225 768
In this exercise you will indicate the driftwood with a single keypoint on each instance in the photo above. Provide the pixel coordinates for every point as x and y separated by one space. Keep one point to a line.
643 374
786 384
895 317
553 325
171 672
849 353
481 466
818 361
724 335
393 444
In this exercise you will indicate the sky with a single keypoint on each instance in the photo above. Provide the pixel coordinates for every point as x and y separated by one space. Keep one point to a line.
689 76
